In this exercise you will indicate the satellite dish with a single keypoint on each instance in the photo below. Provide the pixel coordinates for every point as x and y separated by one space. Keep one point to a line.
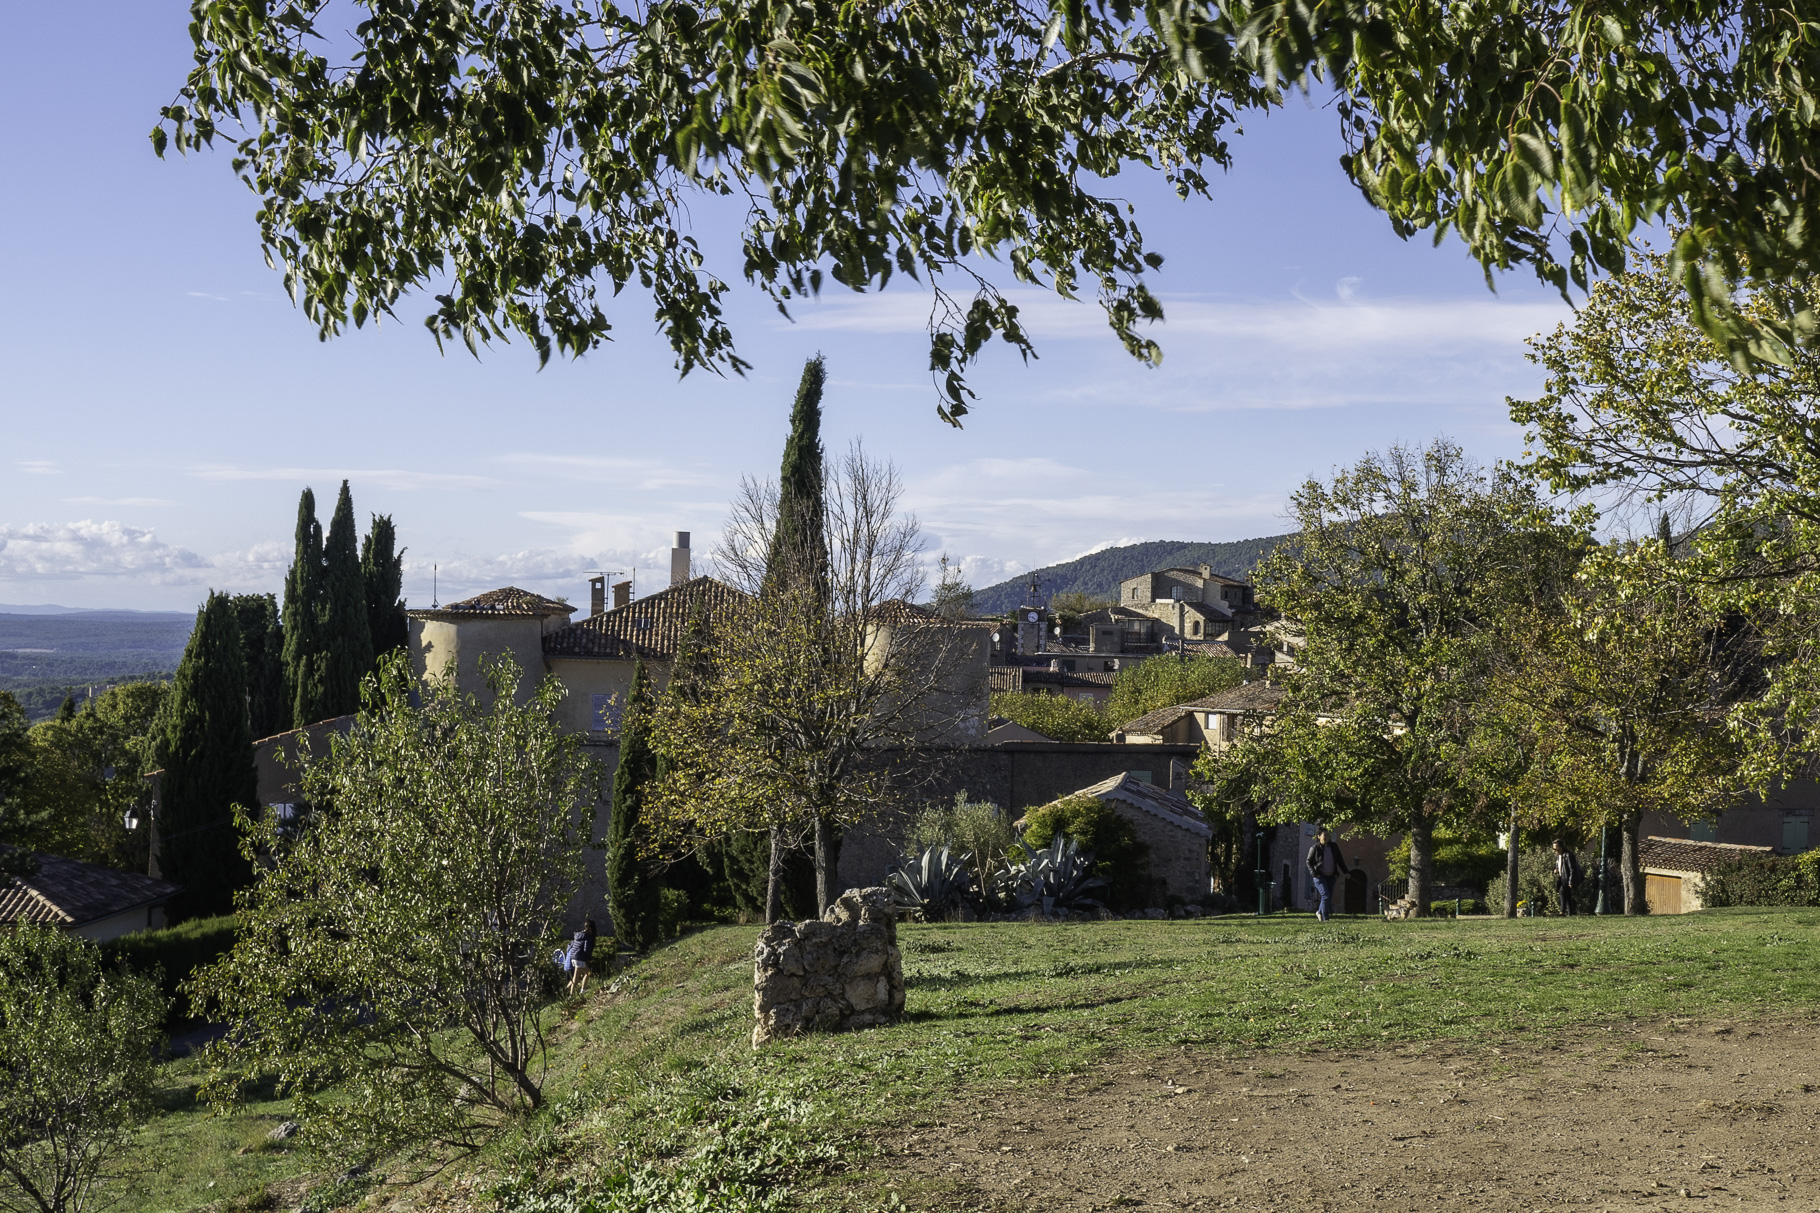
1031 617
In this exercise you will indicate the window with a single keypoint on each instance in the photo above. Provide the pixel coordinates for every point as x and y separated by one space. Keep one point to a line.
1794 834
1705 831
606 712
1141 776
1194 629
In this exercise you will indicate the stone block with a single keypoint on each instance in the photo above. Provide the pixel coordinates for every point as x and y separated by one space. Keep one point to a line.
840 971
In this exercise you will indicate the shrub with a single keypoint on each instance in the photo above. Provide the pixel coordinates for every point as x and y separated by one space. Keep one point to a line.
1457 861
1056 717
977 828
1120 857
1536 881
1164 681
1763 880
77 1044
169 956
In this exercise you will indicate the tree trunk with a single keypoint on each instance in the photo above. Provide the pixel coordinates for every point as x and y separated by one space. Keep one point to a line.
1630 865
1421 863
1510 871
827 864
774 886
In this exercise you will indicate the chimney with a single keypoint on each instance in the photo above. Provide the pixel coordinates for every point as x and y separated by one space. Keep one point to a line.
622 594
679 559
597 594
1207 570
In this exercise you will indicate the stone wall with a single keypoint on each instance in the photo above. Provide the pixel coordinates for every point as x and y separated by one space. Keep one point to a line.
1178 858
840 971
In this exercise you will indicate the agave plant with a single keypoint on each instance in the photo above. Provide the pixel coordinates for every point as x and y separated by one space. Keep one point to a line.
932 884
1058 876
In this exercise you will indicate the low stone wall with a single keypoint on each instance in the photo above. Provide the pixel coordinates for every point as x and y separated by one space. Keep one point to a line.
841 971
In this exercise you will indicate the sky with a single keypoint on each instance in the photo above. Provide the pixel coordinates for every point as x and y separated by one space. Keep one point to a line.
163 404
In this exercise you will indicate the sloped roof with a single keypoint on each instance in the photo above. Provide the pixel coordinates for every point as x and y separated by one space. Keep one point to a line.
651 627
1246 697
1687 855
1163 803
507 601
1000 729
1014 678
71 893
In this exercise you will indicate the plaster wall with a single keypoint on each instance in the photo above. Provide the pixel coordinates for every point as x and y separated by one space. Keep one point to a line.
439 648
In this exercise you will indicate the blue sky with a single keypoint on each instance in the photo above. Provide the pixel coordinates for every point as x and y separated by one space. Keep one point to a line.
163 403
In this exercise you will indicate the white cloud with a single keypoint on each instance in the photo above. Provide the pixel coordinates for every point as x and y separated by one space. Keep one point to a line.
38 467
402 479
66 551
1222 354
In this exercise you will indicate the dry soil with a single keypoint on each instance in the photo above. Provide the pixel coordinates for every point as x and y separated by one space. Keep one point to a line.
1675 1116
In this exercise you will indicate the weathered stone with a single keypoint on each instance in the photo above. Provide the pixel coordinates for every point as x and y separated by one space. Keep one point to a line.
842 971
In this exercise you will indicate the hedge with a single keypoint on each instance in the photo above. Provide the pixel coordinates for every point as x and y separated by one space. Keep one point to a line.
1763 880
173 954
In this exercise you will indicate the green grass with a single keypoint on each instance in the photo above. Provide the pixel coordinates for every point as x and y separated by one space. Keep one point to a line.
195 1159
657 1101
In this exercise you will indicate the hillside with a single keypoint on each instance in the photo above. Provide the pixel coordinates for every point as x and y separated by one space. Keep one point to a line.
46 657
1099 573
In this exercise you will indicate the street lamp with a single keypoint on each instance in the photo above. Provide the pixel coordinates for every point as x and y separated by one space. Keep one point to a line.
1263 876
131 821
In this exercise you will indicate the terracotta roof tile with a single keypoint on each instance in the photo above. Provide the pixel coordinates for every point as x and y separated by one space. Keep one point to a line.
1165 803
1687 855
507 600
1247 697
70 893
651 627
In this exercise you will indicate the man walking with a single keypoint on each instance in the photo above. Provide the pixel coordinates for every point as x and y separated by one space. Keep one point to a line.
1567 877
1326 865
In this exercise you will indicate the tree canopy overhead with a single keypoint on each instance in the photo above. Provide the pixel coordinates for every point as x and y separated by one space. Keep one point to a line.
522 155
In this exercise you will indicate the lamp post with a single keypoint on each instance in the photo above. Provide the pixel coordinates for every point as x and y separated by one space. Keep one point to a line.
1263 876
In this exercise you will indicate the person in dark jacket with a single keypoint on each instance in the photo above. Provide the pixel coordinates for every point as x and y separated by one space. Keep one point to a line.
581 958
1326 865
1567 877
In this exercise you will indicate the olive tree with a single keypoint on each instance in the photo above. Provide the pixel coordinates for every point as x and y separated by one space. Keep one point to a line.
78 1044
396 943
518 156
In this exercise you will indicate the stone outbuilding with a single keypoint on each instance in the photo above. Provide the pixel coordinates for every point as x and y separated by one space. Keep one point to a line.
1673 867
1175 831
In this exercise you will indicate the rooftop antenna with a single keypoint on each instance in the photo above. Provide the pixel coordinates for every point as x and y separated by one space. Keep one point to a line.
434 604
1034 585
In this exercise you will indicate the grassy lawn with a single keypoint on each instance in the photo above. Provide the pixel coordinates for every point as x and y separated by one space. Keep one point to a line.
657 1100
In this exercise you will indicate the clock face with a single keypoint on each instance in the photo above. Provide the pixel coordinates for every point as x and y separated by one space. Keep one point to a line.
1031 617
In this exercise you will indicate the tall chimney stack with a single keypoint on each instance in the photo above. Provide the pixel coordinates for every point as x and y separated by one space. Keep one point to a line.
597 594
679 559
622 594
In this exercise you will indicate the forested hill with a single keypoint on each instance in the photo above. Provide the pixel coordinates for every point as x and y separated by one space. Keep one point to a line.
1099 574
46 657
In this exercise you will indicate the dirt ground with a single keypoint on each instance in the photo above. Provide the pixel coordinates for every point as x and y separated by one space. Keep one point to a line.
1664 1116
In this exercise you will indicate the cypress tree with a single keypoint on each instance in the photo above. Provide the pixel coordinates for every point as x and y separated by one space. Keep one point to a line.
302 612
347 651
382 575
207 755
799 544
798 563
632 888
262 648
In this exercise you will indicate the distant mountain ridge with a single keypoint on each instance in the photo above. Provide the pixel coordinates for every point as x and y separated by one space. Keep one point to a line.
1099 573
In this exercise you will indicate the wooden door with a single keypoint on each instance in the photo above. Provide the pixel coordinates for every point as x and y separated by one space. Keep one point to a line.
1663 893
